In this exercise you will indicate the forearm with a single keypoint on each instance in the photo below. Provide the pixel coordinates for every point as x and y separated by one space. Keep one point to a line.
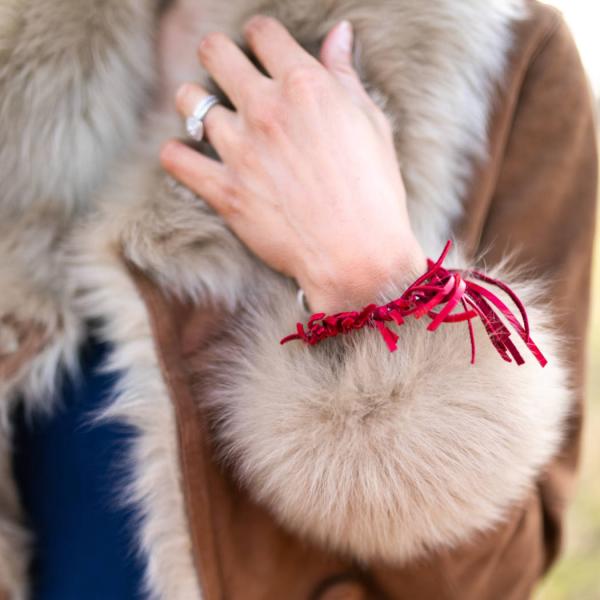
358 277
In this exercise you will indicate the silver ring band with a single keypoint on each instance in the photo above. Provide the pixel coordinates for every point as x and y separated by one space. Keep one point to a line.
302 301
194 124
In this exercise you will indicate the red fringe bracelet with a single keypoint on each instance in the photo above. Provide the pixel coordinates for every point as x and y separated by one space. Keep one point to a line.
438 287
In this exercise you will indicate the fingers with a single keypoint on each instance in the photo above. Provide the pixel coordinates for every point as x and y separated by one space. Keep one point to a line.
206 177
336 56
230 68
336 51
275 47
220 124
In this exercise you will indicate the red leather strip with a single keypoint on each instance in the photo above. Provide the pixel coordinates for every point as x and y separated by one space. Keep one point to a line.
438 286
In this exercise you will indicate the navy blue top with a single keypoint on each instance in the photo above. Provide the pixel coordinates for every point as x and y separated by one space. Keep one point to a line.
71 474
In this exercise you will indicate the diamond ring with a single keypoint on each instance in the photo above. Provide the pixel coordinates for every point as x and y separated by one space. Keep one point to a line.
194 124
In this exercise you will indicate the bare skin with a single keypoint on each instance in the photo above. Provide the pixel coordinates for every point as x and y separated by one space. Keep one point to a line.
309 179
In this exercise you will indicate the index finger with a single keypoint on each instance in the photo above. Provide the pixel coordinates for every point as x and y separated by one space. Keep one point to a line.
230 67
275 47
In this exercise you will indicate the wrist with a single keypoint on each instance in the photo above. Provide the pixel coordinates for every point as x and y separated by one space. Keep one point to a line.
352 285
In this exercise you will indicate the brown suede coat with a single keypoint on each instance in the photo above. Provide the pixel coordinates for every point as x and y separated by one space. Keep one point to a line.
534 196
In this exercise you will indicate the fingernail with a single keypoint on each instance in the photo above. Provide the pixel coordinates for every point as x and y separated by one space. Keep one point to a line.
345 35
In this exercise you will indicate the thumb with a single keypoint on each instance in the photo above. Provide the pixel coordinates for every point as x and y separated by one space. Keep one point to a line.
336 55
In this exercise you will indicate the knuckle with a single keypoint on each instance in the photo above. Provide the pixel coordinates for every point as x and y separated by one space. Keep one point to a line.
265 116
230 198
303 82
259 24
210 42
245 156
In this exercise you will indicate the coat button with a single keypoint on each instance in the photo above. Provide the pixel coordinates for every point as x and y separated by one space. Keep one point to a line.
345 590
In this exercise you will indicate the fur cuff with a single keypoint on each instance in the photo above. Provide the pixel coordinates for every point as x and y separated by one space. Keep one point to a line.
386 455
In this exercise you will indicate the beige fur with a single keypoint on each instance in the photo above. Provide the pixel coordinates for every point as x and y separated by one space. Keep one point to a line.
370 417
105 290
75 76
71 96
384 456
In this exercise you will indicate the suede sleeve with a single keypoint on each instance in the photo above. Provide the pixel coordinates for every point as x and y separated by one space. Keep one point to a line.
543 211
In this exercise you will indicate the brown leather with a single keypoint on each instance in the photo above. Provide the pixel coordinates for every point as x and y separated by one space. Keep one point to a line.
225 523
198 469
534 197
543 210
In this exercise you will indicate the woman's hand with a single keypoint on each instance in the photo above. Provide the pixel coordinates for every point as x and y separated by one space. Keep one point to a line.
309 179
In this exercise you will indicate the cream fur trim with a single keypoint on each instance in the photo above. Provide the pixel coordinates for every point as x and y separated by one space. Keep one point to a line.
385 456
105 291
71 102
75 76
